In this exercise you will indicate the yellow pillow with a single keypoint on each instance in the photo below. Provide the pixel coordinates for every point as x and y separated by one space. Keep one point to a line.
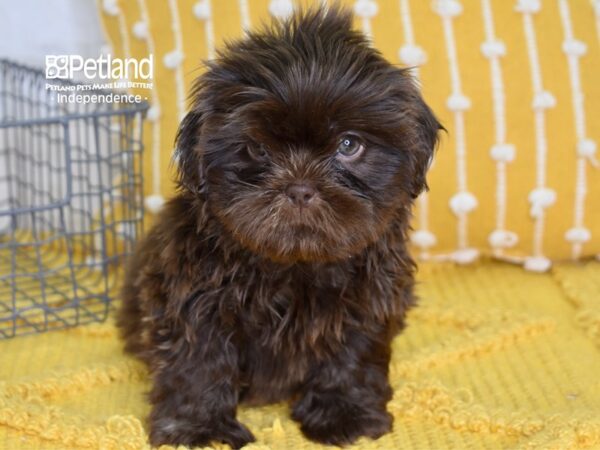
516 83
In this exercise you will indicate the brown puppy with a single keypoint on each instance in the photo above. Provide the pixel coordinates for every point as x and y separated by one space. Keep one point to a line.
280 270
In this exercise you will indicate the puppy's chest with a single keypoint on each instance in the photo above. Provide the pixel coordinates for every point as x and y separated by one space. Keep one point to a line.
300 312
289 324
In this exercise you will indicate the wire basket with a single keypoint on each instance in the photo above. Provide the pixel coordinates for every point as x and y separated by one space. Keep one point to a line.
70 202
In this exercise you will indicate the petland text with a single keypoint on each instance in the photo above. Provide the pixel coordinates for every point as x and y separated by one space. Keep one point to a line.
104 67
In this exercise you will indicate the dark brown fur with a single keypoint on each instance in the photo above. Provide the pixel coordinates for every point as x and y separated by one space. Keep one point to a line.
238 295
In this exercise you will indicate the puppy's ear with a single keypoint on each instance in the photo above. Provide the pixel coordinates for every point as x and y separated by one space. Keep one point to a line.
188 154
426 128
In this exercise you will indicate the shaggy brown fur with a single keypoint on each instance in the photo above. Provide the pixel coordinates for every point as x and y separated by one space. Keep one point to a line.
280 270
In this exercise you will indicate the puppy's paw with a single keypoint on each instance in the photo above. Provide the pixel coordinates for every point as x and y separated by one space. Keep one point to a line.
332 419
182 432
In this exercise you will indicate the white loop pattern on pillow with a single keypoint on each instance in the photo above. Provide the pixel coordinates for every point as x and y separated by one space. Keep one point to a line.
458 102
110 7
537 264
423 238
154 203
491 49
126 230
574 47
543 100
173 59
578 235
94 262
412 55
202 10
140 29
586 148
463 202
503 239
541 198
503 152
153 113
125 160
366 9
465 255
448 8
528 6
281 8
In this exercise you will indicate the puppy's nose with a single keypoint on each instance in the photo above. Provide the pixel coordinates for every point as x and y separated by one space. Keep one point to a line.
300 194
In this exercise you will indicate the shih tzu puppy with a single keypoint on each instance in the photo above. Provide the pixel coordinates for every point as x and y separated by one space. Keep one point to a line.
280 270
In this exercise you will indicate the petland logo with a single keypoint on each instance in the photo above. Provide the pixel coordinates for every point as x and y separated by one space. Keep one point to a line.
104 68
98 74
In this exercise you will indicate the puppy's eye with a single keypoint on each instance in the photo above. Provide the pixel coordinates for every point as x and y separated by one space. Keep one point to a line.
349 148
257 152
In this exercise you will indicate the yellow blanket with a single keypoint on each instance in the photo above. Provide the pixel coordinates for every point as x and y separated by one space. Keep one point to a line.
494 357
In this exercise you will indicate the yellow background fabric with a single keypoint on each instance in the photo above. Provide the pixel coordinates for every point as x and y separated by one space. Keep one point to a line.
494 357
169 20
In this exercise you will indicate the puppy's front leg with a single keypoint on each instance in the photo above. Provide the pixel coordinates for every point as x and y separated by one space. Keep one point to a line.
346 398
195 393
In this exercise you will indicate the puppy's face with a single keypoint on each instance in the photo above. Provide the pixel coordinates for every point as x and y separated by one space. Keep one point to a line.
305 141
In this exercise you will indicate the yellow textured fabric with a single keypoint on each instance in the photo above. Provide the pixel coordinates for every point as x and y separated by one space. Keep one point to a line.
494 357
483 65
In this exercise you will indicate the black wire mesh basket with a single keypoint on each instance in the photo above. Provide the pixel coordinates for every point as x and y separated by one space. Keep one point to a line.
71 202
